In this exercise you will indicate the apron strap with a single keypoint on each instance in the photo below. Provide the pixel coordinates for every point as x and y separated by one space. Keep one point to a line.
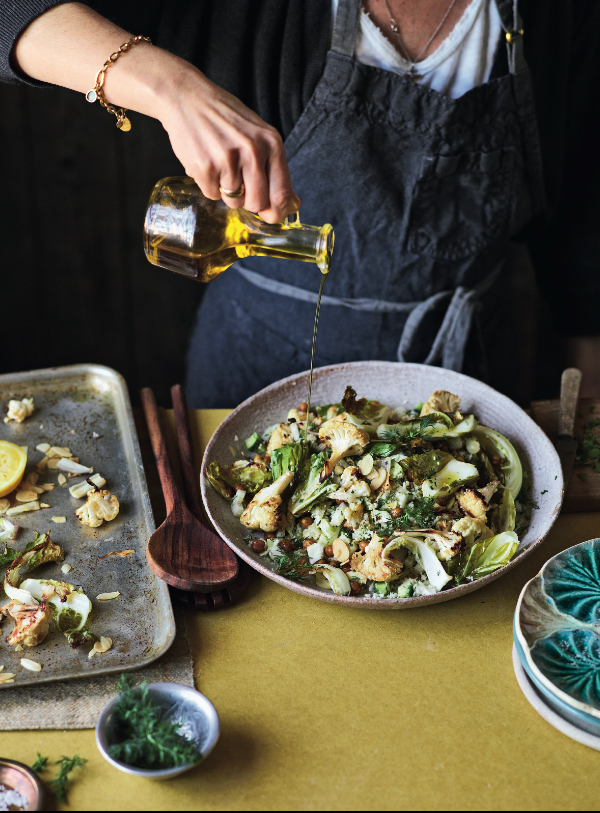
345 27
512 23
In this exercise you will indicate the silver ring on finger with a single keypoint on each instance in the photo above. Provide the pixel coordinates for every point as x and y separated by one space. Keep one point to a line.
233 193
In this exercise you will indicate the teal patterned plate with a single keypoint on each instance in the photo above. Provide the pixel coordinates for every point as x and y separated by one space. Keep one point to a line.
557 627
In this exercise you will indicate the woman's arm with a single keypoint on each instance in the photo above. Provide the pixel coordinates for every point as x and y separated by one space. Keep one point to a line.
219 141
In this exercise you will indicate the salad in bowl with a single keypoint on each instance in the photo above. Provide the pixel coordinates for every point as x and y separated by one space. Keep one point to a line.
366 500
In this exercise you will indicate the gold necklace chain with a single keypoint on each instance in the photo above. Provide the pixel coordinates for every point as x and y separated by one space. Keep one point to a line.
396 32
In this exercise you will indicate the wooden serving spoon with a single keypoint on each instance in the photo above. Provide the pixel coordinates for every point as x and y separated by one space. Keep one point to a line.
182 551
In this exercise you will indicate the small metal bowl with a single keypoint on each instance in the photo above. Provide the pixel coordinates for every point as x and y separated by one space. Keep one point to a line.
18 777
183 705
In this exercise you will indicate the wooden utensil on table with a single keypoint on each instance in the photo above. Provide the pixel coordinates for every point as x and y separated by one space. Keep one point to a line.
217 598
182 551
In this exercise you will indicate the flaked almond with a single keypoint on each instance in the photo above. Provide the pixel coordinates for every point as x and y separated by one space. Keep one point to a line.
341 551
59 520
92 652
33 666
42 464
103 645
26 495
366 465
59 451
53 463
1 668
35 489
32 478
44 505
118 553
48 486
43 447
24 508
379 480
4 504
66 567
61 479
7 677
108 596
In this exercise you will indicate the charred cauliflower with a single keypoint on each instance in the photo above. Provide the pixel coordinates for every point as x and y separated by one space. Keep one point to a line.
280 436
32 622
441 401
19 410
100 506
343 439
265 511
373 565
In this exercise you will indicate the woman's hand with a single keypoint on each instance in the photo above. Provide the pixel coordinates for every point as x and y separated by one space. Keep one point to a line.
222 143
219 141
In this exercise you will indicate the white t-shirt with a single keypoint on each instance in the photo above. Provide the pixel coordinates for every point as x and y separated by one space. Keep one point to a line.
463 60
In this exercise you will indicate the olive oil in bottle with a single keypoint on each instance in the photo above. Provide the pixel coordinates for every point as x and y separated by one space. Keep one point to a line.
199 238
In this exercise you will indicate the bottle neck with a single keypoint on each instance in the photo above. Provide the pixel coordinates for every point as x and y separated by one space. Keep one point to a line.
292 241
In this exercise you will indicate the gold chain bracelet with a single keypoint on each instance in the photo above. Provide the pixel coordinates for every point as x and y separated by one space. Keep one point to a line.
97 92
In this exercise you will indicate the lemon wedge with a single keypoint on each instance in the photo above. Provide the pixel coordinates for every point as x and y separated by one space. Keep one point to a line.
12 465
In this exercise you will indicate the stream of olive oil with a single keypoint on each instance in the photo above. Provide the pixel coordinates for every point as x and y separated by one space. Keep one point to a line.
325 273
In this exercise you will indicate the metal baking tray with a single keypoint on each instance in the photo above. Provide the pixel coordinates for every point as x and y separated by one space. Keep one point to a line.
71 404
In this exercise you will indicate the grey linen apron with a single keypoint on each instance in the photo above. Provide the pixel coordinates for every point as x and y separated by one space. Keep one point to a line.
424 193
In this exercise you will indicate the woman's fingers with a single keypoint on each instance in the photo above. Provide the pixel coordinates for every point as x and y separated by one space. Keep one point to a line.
282 198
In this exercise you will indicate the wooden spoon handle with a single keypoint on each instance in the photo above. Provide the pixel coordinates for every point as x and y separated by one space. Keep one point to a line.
186 455
159 447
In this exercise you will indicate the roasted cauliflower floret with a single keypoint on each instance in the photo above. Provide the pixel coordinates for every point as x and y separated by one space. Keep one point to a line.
32 622
280 436
298 416
441 401
265 511
472 502
343 439
446 545
351 474
99 507
472 529
353 515
487 492
372 564
19 410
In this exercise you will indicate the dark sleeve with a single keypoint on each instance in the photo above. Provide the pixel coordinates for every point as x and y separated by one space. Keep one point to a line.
15 16
565 64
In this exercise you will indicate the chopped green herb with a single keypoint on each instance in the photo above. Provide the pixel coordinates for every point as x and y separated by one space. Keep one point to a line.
67 765
40 764
147 739
294 565
588 447
545 491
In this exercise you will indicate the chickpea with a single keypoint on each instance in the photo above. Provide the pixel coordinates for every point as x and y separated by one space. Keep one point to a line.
396 512
302 407
257 458
306 522
307 543
362 545
346 567
329 551
355 588
322 562
441 501
267 459
286 545
269 535
333 563
258 545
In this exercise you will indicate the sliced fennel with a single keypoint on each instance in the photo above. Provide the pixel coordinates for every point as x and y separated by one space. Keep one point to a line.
71 608
454 475
417 544
332 578
495 444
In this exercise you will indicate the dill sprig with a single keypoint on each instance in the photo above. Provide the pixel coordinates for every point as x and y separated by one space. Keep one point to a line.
294 565
147 739
40 764
419 512
67 765
588 446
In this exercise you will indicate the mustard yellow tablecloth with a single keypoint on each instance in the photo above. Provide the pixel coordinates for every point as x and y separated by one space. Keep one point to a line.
326 708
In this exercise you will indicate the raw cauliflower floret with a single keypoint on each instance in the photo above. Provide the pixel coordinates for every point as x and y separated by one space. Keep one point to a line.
100 506
353 515
19 410
441 401
32 622
372 564
265 511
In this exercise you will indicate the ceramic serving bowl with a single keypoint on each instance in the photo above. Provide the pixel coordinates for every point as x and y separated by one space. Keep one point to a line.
191 710
396 385
557 628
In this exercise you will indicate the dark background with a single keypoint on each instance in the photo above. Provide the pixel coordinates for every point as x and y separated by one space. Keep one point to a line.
75 286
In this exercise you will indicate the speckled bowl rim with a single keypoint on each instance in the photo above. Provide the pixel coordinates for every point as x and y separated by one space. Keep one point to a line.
448 379
518 633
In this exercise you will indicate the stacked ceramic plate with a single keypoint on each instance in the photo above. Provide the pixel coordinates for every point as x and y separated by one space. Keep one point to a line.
557 640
